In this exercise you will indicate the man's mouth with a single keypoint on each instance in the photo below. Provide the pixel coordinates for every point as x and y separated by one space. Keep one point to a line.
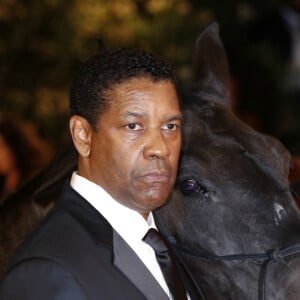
156 176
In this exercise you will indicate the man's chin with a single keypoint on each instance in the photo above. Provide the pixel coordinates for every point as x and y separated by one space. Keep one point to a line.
154 201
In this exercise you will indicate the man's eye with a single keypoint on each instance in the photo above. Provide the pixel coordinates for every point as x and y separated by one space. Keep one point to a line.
133 126
170 127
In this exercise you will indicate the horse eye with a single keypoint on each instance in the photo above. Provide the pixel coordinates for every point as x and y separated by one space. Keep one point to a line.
189 186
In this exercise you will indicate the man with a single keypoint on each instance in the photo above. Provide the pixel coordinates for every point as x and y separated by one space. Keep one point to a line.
125 125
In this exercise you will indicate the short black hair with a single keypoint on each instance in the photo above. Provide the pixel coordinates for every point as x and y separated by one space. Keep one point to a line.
110 67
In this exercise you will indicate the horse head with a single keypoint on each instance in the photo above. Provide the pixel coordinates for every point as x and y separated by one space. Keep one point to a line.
232 211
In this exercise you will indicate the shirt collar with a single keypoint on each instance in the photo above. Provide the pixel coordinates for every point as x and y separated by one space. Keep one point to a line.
130 225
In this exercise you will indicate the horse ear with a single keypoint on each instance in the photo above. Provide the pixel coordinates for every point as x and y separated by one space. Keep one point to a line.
211 68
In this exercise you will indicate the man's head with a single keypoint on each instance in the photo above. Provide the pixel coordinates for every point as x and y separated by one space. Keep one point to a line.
108 68
125 125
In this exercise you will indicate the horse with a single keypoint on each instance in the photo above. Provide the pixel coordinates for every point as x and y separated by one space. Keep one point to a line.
231 219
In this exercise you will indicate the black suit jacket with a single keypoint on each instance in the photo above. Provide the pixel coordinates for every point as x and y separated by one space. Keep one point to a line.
75 254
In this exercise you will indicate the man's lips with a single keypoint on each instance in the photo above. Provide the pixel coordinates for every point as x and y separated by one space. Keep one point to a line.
156 176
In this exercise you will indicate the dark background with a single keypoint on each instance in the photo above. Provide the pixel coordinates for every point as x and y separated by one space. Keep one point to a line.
43 42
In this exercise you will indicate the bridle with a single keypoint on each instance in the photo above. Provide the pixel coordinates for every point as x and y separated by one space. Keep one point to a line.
268 259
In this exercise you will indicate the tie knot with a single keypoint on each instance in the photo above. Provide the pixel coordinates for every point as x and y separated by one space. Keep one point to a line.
154 239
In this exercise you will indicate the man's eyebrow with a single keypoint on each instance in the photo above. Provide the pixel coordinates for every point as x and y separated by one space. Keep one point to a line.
175 118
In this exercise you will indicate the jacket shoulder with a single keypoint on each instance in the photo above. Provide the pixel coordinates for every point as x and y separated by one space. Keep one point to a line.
40 278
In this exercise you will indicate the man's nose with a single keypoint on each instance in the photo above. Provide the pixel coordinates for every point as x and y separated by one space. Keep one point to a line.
155 145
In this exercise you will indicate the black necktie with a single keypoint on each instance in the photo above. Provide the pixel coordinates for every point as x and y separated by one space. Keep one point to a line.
168 267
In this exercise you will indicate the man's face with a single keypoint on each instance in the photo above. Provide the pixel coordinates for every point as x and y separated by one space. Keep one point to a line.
135 149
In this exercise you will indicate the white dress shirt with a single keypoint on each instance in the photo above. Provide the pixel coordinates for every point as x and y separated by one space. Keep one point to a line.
129 224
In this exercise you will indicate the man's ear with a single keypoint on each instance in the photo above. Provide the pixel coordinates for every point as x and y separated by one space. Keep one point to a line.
81 132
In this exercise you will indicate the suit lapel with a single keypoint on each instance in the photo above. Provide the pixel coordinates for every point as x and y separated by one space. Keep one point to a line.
133 268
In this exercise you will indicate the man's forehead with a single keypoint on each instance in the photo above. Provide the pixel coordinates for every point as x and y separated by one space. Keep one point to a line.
139 87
